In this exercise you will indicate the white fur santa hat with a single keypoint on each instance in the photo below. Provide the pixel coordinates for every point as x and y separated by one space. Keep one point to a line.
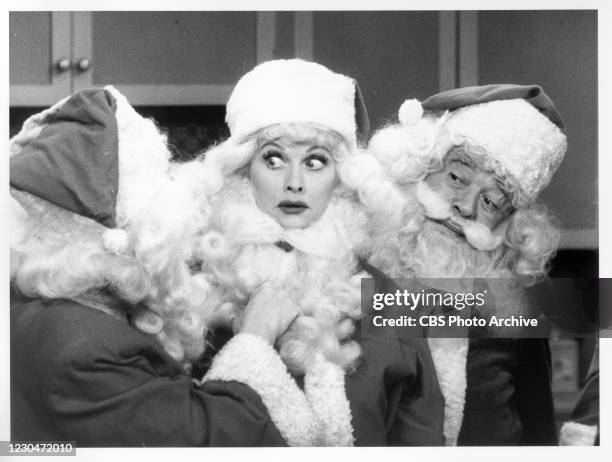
297 91
517 126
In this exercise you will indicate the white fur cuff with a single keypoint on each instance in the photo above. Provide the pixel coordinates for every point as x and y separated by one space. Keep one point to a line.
249 359
577 434
324 386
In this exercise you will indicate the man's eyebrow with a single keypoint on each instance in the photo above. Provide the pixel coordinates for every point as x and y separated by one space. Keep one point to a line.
502 189
463 159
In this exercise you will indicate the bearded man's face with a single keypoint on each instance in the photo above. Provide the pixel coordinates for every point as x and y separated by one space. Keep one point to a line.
470 202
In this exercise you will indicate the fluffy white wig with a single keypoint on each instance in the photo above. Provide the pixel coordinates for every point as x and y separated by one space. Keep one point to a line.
239 253
59 254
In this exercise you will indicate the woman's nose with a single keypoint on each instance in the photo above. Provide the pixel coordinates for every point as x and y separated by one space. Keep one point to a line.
294 181
464 202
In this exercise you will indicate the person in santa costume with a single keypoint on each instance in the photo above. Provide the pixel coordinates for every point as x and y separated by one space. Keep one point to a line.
106 311
289 198
470 164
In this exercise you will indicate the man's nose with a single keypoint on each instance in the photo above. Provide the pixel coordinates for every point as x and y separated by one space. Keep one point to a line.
464 202
294 181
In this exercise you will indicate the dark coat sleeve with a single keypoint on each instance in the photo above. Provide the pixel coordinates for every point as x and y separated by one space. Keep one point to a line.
396 379
586 411
534 393
509 396
80 375
420 409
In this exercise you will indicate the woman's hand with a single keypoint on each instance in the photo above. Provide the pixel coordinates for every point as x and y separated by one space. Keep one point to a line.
268 314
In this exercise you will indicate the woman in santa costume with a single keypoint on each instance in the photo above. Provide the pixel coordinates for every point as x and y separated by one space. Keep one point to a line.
102 239
470 164
290 197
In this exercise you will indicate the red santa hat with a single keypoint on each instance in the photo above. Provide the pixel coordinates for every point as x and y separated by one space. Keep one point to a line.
297 91
517 126
91 154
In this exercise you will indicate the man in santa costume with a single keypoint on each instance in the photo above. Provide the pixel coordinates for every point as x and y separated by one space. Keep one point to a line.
106 311
471 163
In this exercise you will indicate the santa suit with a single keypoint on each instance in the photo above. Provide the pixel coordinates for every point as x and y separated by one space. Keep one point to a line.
393 394
82 375
498 392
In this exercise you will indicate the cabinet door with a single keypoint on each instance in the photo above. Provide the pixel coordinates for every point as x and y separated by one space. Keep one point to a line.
558 50
38 42
177 58
394 55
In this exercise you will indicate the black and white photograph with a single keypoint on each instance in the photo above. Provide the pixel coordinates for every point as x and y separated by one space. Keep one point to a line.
311 225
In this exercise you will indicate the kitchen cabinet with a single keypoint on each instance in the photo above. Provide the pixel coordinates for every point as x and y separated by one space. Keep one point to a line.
193 58
154 58
393 55
558 50
396 55
40 57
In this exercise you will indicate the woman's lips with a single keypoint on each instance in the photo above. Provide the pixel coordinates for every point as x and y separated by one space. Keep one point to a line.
292 208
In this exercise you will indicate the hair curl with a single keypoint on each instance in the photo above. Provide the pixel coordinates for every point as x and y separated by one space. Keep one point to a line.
62 255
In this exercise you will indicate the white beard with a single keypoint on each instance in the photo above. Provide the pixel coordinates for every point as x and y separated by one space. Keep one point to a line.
424 248
240 254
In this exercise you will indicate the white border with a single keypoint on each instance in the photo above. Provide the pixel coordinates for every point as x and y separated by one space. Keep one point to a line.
605 232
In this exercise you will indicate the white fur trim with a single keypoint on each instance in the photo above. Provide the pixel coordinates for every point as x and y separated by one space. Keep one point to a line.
524 142
333 236
19 223
324 387
450 359
143 160
249 359
577 434
292 91
410 112
115 241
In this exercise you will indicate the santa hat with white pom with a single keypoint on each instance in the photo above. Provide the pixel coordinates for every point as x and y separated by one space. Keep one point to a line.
91 154
517 126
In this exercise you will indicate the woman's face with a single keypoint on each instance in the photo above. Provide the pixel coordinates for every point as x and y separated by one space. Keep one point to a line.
293 181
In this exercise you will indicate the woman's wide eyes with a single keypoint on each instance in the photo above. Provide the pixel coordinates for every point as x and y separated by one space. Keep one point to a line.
314 163
273 160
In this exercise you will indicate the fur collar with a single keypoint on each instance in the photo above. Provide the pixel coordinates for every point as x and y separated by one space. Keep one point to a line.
337 233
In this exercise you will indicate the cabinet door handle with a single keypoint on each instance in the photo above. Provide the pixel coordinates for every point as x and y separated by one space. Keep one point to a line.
83 64
63 65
